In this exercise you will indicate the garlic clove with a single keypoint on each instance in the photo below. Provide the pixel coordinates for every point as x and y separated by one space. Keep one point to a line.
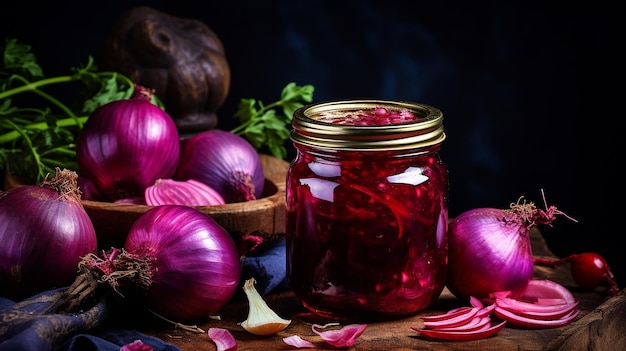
267 328
262 320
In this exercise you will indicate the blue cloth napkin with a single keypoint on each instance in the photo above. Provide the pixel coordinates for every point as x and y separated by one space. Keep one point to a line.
112 340
268 268
26 326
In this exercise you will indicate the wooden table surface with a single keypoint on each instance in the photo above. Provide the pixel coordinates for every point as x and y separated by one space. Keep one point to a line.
601 324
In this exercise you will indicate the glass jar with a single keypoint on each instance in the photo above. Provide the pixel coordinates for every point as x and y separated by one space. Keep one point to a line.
367 209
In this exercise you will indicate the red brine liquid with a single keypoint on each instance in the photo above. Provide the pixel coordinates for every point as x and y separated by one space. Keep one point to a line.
367 229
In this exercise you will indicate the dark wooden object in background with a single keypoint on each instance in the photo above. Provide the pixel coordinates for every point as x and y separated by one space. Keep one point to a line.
600 326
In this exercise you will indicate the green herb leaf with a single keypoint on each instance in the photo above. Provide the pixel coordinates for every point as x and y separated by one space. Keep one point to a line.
37 138
18 58
269 125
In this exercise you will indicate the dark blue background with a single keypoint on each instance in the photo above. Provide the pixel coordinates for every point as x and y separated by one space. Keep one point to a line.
530 91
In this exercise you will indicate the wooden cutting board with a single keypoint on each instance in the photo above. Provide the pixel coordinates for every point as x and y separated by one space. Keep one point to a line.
600 326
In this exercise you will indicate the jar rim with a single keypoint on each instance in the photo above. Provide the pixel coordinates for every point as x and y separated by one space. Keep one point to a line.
311 128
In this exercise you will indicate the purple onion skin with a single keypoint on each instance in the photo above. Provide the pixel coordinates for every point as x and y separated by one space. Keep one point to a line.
125 146
43 237
489 250
197 266
88 189
224 161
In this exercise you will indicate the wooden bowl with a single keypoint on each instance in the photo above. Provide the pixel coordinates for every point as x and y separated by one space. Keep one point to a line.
263 217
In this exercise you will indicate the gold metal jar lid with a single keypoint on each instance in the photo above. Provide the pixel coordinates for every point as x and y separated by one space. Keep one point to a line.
331 125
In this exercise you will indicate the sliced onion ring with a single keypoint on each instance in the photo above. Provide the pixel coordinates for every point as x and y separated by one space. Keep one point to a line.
516 319
486 311
445 316
475 323
547 315
547 291
542 304
527 307
455 321
462 335
476 302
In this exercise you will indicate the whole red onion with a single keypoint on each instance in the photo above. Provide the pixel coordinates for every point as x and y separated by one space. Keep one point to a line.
195 266
44 231
224 161
126 145
490 249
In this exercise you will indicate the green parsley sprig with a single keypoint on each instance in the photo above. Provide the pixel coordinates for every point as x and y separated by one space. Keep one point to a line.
267 125
36 138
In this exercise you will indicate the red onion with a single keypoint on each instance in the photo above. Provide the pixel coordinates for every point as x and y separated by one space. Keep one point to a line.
189 192
589 270
195 266
126 145
224 161
44 231
88 189
490 250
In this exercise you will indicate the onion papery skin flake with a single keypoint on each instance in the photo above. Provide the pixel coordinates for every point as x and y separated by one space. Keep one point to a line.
125 146
490 249
43 236
224 161
196 267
